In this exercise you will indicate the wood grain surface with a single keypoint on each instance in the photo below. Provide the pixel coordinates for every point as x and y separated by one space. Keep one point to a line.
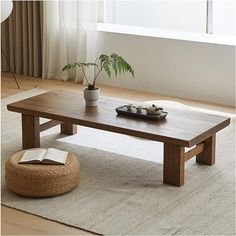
181 127
173 165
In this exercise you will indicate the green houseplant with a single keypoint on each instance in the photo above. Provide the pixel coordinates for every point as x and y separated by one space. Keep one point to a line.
113 63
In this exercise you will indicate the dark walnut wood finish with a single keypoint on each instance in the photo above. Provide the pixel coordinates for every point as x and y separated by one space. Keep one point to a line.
181 128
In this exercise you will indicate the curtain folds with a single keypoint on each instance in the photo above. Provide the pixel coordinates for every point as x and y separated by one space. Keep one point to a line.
40 37
21 38
69 35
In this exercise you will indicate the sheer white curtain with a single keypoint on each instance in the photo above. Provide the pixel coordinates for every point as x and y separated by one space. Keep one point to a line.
69 35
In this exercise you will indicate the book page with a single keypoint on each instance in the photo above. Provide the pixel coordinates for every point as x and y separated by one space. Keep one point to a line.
56 155
33 155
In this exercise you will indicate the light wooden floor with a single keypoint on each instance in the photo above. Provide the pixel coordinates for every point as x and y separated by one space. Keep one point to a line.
15 222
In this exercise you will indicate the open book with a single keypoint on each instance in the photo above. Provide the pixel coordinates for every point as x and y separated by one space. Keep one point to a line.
44 156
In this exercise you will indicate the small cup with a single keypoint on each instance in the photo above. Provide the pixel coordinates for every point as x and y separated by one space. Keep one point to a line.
139 109
129 107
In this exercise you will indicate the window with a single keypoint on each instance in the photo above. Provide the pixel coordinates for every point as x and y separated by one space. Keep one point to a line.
224 17
198 16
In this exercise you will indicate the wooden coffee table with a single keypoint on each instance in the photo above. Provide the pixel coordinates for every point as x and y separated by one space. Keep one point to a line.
180 129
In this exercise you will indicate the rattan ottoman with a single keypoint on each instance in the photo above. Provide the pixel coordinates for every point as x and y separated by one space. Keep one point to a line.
39 180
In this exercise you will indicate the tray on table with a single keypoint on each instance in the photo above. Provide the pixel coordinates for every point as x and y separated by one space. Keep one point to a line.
143 114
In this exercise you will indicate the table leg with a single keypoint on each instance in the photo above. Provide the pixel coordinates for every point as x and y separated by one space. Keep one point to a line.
67 128
173 165
30 131
207 157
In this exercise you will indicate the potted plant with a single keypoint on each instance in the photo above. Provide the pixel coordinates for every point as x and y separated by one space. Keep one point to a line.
105 63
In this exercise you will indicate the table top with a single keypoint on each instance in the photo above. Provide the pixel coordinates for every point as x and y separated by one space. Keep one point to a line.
181 126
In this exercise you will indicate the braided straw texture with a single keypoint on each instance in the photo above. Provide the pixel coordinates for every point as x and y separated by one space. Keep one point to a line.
40 180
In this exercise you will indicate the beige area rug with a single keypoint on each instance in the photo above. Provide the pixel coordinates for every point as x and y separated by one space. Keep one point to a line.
123 195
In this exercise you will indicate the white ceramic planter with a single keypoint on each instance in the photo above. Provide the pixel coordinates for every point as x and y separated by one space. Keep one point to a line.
91 97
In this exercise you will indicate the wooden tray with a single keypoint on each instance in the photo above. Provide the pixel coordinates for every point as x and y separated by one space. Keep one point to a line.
143 115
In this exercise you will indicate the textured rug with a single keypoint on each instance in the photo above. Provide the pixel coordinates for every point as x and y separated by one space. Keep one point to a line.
123 195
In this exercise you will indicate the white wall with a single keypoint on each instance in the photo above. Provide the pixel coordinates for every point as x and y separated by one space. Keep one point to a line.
184 69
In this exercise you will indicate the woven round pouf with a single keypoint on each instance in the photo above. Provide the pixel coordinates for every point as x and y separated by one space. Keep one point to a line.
40 180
